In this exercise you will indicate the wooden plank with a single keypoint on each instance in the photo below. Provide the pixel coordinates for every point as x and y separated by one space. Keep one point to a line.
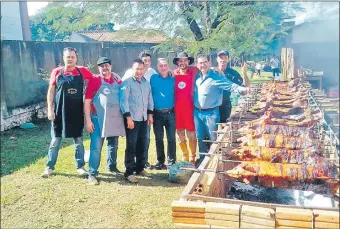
258 221
223 223
188 220
326 216
219 227
258 212
286 227
234 218
326 225
293 214
222 208
188 215
250 226
293 223
188 206
186 225
251 203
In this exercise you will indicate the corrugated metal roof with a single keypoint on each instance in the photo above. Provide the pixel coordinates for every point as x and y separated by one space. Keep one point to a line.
133 36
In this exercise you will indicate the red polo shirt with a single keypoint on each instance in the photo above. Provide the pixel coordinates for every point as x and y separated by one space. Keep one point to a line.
93 86
86 73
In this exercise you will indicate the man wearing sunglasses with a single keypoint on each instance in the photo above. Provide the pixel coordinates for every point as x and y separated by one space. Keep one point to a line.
65 109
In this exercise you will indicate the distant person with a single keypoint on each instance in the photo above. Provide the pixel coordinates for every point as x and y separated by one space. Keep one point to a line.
145 56
104 119
136 104
65 108
258 69
163 94
274 63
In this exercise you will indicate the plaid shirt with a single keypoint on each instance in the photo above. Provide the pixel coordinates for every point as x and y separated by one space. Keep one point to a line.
136 99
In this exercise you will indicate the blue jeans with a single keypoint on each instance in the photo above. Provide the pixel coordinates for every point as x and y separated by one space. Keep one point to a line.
205 124
96 146
168 121
147 143
54 149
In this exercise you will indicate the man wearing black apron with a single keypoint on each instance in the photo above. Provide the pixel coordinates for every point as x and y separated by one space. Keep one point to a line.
232 75
66 93
103 117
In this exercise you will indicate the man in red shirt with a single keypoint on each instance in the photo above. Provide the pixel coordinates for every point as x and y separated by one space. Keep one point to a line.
184 105
103 117
65 109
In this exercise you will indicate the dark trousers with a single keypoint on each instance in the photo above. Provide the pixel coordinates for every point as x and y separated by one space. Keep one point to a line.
276 71
167 120
135 143
225 110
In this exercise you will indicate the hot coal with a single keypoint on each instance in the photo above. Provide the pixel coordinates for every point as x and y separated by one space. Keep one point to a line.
274 195
254 193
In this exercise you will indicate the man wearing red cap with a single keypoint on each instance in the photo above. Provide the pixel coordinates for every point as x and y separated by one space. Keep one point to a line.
184 104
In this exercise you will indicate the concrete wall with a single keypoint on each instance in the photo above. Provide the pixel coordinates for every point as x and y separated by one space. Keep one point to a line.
11 28
23 90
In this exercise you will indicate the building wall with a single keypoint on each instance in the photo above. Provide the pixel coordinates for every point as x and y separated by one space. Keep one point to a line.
11 28
316 46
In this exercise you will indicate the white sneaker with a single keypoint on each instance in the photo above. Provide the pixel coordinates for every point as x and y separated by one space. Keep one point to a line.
48 172
82 171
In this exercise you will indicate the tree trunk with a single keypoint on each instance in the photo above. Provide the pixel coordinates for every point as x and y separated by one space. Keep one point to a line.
206 8
194 28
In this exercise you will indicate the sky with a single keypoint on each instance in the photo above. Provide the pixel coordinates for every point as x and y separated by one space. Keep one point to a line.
33 8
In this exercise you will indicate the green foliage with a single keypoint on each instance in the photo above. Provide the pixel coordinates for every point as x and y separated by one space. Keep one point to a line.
57 20
244 28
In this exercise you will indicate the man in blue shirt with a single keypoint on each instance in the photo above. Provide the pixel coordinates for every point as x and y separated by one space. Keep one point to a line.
163 94
209 86
137 107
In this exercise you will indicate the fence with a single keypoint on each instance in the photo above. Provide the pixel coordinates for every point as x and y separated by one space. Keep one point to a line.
25 62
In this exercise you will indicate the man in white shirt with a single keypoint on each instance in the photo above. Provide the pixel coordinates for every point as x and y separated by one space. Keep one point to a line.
145 56
274 63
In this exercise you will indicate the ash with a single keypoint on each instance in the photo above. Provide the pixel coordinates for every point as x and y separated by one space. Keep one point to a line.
275 195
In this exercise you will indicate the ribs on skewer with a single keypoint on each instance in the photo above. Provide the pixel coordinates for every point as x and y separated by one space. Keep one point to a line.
280 141
276 155
276 174
291 131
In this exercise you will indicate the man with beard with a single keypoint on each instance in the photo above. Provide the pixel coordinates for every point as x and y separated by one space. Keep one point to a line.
208 93
184 105
137 107
163 94
232 75
103 118
145 56
65 92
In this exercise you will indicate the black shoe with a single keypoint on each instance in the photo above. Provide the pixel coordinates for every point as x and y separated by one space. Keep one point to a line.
147 165
160 166
115 171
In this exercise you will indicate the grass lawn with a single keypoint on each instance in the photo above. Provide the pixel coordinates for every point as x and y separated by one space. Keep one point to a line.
65 200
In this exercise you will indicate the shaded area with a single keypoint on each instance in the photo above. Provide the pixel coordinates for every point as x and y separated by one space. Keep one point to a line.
22 147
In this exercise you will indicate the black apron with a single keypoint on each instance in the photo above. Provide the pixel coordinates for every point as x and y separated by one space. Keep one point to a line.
69 106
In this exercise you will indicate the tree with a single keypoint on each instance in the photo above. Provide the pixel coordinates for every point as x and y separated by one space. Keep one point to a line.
57 20
244 28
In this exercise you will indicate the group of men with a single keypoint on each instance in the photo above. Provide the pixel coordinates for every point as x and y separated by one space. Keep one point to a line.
189 101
